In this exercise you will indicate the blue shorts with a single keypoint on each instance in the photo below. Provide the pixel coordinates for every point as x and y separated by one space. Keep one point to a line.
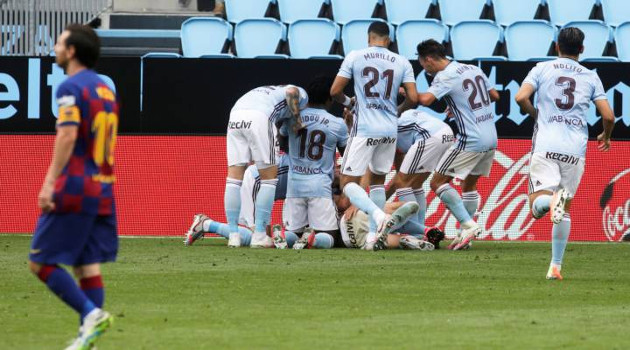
74 239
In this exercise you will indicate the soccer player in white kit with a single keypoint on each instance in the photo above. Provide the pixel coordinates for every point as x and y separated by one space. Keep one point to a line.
377 74
469 95
565 89
251 136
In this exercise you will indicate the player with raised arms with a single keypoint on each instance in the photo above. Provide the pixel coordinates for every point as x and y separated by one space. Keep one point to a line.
378 73
565 90
251 136
469 96
78 222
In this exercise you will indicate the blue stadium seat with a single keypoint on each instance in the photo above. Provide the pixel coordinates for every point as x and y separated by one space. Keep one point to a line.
527 40
507 12
622 38
597 35
475 39
238 10
399 11
616 11
410 33
293 10
204 36
454 11
355 34
312 37
345 11
563 11
258 37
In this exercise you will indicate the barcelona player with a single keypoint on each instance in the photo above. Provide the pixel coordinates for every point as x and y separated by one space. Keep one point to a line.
77 226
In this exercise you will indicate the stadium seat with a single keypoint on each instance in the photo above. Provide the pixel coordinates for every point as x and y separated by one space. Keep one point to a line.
454 11
616 11
238 10
475 39
597 35
399 11
355 34
563 11
345 11
293 10
204 36
529 39
507 12
312 37
258 37
410 33
622 38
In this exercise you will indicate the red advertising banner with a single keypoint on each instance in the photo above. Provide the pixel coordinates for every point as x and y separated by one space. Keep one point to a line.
164 180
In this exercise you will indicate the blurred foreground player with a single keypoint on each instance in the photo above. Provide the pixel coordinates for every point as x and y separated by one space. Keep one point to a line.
78 222
565 89
251 136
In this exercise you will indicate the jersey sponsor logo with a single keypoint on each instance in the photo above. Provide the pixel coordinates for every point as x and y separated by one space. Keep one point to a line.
568 121
378 107
565 158
448 138
306 170
485 118
239 125
381 141
380 56
615 202
352 236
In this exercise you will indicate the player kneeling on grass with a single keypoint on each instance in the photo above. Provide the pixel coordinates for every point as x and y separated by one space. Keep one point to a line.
565 89
312 150
78 223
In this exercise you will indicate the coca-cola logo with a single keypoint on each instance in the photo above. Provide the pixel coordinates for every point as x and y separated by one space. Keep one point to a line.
615 203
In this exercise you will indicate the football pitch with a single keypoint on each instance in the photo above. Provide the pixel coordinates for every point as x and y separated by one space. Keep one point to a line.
495 296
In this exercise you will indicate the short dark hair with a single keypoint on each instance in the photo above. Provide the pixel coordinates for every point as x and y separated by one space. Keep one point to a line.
570 41
87 45
431 48
319 90
379 28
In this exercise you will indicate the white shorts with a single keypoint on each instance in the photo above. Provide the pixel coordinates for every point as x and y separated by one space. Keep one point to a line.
249 188
354 232
251 136
550 171
361 152
423 156
318 213
459 164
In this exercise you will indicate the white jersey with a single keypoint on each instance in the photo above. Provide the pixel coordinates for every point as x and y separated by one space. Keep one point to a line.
415 125
270 100
465 88
377 74
565 89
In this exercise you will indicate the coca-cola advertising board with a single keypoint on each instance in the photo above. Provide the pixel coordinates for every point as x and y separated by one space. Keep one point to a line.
164 180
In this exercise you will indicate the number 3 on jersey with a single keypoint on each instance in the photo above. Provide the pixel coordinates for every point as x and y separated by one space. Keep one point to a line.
105 128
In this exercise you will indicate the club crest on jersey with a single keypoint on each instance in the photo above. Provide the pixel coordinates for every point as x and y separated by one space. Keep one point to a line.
380 141
239 125
565 158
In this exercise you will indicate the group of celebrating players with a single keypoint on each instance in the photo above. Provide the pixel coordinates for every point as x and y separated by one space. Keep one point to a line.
378 133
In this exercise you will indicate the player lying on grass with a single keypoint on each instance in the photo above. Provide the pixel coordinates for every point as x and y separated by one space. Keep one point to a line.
565 90
77 226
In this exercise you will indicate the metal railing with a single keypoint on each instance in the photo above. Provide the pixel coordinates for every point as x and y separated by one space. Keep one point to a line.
31 27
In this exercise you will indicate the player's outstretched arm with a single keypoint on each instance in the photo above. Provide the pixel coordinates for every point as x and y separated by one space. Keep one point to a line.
336 91
608 119
64 145
522 98
411 98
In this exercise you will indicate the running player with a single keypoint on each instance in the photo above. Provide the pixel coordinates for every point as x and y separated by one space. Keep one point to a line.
565 89
78 222
251 136
468 94
422 141
377 74
313 152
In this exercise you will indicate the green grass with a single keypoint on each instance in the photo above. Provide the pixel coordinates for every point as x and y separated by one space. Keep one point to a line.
166 296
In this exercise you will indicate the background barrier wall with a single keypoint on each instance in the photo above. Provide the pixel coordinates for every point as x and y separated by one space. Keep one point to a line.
168 168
